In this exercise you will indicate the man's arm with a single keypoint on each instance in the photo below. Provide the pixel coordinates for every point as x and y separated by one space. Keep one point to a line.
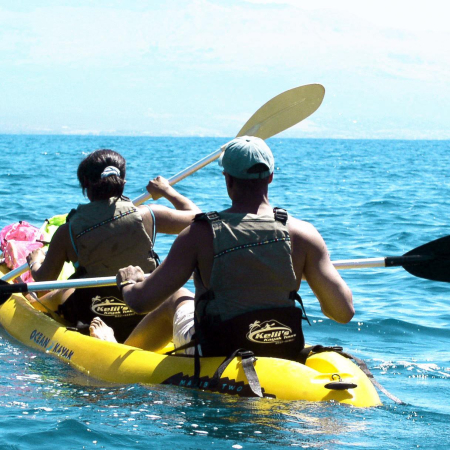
171 221
171 275
310 251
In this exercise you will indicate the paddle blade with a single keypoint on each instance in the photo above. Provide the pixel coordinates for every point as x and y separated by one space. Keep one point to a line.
284 111
436 264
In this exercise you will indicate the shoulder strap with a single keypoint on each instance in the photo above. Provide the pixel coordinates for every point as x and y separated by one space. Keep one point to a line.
153 237
212 216
71 213
280 215
73 242
154 224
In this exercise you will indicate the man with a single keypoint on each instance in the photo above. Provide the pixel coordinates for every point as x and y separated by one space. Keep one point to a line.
248 260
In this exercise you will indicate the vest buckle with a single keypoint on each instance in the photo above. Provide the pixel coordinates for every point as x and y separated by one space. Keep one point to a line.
213 216
280 215
244 354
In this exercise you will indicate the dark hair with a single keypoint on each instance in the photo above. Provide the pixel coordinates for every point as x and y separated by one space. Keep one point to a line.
90 171
252 184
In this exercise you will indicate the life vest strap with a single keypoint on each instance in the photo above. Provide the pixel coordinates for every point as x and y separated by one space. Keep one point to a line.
212 216
280 214
248 360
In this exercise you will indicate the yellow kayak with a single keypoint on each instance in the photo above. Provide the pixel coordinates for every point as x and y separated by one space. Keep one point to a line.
119 363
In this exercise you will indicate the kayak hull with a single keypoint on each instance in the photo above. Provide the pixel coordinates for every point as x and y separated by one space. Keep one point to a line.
119 363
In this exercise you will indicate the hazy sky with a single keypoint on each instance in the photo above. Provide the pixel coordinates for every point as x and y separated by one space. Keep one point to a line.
203 67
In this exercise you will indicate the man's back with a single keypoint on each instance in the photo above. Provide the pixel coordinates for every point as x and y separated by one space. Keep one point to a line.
310 260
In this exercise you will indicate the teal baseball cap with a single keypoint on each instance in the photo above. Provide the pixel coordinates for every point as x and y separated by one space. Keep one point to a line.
247 158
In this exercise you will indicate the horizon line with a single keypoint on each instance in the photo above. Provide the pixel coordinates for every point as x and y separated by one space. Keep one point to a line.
218 137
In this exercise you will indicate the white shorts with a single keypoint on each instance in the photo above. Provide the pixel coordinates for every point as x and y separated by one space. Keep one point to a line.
183 326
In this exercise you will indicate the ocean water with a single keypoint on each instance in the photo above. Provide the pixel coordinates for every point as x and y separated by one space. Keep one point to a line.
368 199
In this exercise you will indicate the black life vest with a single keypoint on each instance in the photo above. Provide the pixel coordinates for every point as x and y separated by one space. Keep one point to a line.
274 331
104 302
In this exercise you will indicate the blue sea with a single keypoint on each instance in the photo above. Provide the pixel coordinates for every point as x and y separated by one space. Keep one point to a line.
368 198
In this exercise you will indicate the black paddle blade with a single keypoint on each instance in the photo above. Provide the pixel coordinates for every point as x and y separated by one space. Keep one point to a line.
6 290
430 261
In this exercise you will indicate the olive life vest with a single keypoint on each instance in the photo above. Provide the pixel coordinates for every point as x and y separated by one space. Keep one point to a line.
251 301
107 235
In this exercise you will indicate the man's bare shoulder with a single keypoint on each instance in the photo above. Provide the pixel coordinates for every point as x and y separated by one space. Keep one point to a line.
301 229
197 233
304 234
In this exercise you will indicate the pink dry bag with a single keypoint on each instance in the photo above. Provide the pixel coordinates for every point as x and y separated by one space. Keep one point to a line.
17 241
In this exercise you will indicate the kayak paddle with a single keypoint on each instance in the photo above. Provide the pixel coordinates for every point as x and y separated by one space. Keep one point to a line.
278 114
430 261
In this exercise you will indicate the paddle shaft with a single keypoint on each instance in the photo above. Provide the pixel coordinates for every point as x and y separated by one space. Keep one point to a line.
15 273
7 289
388 261
39 286
183 174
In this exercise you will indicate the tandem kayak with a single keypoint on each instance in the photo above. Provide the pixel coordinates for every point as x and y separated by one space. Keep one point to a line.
119 363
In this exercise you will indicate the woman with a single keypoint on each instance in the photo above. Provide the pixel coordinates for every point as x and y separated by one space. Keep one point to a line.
104 235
